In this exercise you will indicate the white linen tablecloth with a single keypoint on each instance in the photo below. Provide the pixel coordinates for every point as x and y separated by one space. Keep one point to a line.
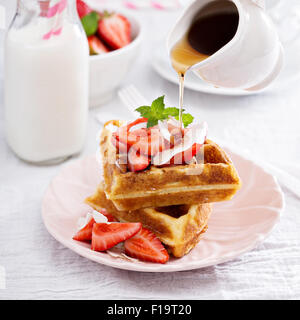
33 265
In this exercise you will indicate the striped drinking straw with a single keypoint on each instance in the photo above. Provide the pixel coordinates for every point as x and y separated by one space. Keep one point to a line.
156 4
54 14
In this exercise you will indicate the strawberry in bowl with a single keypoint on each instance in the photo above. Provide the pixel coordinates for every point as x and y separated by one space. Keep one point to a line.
115 30
111 30
114 40
82 8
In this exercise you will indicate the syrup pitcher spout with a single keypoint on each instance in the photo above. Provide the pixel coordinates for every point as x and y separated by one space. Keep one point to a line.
237 36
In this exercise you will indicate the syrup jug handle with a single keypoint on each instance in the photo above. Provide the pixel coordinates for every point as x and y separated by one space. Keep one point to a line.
273 74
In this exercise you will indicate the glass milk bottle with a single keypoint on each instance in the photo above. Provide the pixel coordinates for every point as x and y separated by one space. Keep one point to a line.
46 81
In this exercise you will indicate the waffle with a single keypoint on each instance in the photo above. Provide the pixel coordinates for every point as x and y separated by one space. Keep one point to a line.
215 179
178 227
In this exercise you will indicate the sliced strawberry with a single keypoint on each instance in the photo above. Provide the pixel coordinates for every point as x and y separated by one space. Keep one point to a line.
152 144
146 246
192 152
85 234
142 146
115 30
82 8
129 138
137 161
136 135
96 46
177 134
105 236
120 146
145 141
108 215
157 143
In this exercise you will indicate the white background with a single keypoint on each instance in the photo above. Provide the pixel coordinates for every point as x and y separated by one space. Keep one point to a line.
265 125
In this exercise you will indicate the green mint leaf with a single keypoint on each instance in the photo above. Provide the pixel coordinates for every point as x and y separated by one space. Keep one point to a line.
152 122
145 111
90 23
173 112
187 119
157 107
157 112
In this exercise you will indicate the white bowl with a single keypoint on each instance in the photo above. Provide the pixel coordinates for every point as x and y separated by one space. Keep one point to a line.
108 70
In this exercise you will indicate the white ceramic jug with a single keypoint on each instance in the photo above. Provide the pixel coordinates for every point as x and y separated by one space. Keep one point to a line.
251 60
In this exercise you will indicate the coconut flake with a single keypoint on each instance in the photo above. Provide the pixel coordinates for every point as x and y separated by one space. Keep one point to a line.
174 122
96 215
126 257
196 134
83 221
118 252
165 156
99 217
163 127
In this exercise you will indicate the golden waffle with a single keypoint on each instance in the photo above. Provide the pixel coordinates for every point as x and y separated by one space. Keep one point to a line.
214 180
178 227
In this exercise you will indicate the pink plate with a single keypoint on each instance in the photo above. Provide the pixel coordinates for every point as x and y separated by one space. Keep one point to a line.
235 226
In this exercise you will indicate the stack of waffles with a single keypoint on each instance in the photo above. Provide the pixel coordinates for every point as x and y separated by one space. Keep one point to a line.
174 202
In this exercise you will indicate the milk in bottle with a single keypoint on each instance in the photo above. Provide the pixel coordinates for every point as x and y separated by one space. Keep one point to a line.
46 81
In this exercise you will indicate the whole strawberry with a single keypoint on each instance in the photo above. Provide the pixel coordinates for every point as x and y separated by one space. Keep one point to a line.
82 8
114 29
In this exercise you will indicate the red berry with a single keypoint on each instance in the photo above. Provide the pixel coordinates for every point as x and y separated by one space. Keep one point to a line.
115 30
82 8
106 236
146 246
